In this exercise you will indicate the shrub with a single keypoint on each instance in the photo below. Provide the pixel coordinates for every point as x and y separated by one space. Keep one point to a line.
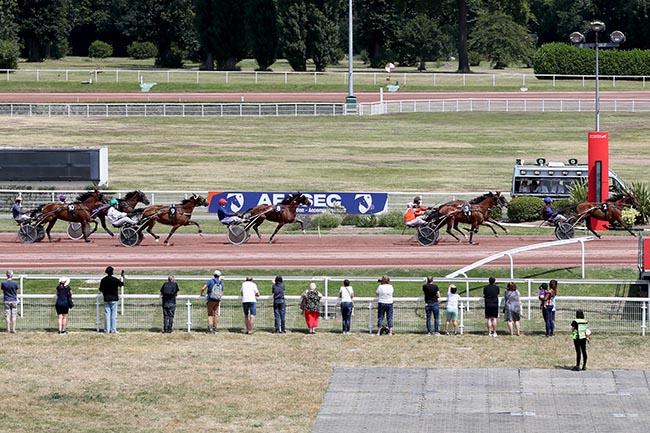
327 220
642 194
364 56
523 209
100 50
142 50
578 190
392 218
565 59
367 221
630 215
9 53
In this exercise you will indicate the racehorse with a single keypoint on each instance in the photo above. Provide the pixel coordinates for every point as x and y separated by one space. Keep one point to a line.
176 215
610 211
475 212
126 204
281 213
78 212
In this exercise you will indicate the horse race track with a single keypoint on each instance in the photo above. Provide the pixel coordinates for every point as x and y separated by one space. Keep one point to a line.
296 251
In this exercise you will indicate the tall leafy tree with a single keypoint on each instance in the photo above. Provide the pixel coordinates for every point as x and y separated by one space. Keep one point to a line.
322 32
263 31
294 19
376 24
205 22
421 40
497 37
8 26
168 24
230 33
43 27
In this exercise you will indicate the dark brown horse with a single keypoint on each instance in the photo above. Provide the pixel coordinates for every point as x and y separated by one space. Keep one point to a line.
77 212
610 211
475 212
126 204
176 215
281 213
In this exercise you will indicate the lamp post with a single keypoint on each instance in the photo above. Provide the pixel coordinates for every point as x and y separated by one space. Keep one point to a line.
578 39
350 100
598 180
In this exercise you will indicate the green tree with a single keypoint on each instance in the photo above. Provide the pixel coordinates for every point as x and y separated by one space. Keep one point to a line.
100 50
230 38
376 25
263 31
293 31
322 36
421 40
9 53
499 39
8 26
43 27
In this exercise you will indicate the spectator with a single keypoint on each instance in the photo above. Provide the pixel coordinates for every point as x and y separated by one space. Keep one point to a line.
346 296
385 304
215 289
579 328
453 299
310 304
512 309
279 306
17 211
491 296
63 303
524 187
431 296
10 295
559 188
168 293
249 295
109 286
549 308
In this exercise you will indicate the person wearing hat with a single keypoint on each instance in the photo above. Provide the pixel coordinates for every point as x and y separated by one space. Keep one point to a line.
17 211
225 216
109 286
9 290
414 215
548 214
453 299
117 218
63 303
215 289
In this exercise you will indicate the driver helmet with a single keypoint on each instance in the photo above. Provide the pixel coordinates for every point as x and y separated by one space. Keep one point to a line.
548 200
417 199
18 199
222 201
113 202
62 197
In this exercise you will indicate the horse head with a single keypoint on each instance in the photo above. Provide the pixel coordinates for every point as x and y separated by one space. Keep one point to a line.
302 200
631 200
501 200
199 200
139 197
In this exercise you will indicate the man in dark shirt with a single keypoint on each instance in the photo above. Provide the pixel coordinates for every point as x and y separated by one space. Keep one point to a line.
168 293
491 296
431 296
10 289
109 286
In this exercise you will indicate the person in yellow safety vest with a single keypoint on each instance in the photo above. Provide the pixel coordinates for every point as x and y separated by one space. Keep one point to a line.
414 215
579 327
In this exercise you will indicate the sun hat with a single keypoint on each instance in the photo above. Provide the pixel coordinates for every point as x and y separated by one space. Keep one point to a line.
312 286
217 273
64 280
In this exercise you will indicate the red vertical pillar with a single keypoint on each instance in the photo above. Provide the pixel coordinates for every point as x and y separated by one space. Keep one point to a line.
598 181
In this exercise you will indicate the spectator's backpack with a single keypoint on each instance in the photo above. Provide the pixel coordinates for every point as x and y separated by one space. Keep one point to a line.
216 293
312 301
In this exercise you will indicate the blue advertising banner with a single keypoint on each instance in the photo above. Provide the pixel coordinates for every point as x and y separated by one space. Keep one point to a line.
348 202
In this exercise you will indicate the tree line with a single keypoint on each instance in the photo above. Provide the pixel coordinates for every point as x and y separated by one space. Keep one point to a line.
220 33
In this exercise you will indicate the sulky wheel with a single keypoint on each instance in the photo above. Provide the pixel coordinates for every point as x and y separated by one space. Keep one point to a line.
74 231
237 235
564 231
28 234
427 236
40 233
129 237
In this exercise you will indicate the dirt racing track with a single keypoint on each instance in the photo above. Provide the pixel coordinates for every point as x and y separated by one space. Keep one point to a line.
297 251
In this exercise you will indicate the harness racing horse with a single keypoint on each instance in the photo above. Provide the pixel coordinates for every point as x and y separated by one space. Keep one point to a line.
176 215
281 213
126 204
475 212
77 212
610 211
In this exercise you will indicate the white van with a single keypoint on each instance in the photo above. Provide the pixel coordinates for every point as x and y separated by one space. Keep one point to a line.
552 179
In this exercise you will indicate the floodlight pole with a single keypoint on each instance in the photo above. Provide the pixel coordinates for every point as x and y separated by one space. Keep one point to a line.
350 74
597 86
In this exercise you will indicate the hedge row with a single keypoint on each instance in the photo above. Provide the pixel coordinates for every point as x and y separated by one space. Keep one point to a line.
565 59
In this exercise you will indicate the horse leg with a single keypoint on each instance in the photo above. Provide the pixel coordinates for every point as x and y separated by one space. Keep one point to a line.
102 219
302 226
456 222
84 224
256 224
450 233
194 223
619 219
49 229
588 224
495 222
150 230
488 224
277 229
170 234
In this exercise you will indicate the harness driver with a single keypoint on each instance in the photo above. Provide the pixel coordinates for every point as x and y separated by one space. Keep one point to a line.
226 217
548 214
117 218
